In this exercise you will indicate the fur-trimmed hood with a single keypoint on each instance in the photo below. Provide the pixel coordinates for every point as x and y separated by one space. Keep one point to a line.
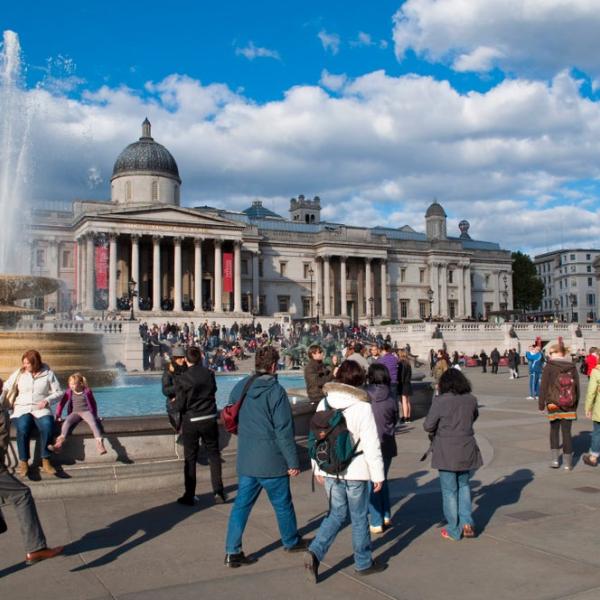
341 395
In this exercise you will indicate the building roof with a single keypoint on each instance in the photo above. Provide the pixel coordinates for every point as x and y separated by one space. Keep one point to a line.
258 211
435 209
146 156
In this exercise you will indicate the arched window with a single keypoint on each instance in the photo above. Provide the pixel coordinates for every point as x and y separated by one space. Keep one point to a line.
155 191
307 219
128 190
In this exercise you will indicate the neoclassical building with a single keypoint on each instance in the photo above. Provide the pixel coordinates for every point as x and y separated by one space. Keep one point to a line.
205 262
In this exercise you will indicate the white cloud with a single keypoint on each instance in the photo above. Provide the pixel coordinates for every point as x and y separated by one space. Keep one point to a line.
376 151
251 52
330 41
362 39
531 37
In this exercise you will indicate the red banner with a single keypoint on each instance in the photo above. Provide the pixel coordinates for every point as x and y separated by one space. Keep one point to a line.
227 272
101 267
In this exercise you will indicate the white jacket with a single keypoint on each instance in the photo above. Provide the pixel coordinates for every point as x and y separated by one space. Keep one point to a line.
360 421
44 386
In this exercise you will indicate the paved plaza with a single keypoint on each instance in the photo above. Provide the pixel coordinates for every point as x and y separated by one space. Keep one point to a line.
537 529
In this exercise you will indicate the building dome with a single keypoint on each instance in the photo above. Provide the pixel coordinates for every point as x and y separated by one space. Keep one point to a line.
146 156
435 210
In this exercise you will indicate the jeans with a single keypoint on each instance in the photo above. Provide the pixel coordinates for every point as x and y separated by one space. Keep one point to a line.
24 425
191 434
456 501
534 383
12 490
379 503
280 496
346 497
595 445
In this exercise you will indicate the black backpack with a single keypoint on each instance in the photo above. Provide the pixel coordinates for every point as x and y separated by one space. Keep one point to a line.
329 441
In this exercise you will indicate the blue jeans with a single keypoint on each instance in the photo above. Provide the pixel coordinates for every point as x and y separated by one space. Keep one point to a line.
280 496
352 497
534 383
379 503
595 445
24 424
456 500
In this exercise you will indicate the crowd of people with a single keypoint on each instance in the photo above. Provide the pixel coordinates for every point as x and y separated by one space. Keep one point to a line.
361 389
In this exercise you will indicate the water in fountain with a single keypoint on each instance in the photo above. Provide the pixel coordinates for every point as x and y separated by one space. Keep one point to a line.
15 122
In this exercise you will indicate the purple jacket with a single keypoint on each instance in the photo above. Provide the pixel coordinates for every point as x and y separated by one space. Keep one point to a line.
67 400
385 411
391 363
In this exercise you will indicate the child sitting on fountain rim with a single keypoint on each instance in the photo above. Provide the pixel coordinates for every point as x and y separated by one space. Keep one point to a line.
81 404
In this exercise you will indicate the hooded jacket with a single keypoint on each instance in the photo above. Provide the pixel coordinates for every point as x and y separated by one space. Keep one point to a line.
360 421
67 400
316 375
196 393
32 390
266 445
592 399
385 411
550 388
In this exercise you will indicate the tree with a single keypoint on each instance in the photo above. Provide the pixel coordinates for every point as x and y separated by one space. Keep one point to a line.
528 288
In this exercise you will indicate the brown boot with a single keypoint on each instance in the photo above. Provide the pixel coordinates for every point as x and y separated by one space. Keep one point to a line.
47 467
22 468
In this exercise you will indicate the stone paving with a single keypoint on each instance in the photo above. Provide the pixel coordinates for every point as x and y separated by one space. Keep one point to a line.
537 535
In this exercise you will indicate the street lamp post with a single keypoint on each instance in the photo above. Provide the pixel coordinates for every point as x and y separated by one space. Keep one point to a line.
430 298
371 301
311 273
318 306
132 295
556 303
573 300
505 292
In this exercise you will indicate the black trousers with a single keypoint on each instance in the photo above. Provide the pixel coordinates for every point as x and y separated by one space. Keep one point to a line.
563 425
494 367
191 434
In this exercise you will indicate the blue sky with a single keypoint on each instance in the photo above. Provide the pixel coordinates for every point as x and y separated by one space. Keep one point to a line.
490 106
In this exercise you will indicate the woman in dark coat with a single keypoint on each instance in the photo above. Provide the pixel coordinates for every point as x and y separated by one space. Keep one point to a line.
455 451
174 369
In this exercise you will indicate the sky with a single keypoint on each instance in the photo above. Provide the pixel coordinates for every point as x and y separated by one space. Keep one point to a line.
492 107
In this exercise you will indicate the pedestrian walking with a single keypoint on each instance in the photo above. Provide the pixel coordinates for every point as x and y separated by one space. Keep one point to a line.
454 450
404 384
592 411
483 357
495 360
535 363
316 373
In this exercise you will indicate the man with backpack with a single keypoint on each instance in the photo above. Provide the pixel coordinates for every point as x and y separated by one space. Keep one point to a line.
346 454
266 457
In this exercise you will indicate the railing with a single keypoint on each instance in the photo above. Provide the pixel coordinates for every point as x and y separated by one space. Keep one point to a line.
67 326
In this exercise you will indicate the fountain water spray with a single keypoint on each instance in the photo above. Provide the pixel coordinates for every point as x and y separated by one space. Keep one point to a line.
15 123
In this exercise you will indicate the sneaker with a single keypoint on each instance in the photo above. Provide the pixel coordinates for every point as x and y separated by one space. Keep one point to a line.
387 522
589 460
220 498
554 464
186 500
468 531
530 398
376 528
239 559
311 566
376 567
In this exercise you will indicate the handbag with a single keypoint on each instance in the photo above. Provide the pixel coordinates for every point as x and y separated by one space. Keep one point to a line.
230 414
12 394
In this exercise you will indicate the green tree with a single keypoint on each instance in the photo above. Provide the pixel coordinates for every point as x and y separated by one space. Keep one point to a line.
528 288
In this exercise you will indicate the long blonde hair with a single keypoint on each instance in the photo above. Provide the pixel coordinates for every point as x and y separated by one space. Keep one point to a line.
80 378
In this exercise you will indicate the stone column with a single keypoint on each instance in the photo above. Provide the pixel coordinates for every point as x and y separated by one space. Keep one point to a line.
237 274
112 271
177 275
384 288
434 282
135 260
326 286
255 282
198 274
496 281
468 298
444 290
460 273
79 259
218 304
319 286
368 286
90 284
156 288
343 287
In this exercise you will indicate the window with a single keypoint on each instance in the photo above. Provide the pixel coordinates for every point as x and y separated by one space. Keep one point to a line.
421 275
588 257
155 191
402 275
488 308
305 270
40 258
423 309
591 299
306 306
67 259
260 268
560 284
574 282
572 268
572 257
590 281
244 266
450 276
404 309
487 281
282 268
283 303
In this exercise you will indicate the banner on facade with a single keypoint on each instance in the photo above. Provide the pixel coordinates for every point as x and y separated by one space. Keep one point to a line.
227 272
101 267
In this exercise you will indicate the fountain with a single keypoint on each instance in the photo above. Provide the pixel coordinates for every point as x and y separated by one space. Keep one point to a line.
65 352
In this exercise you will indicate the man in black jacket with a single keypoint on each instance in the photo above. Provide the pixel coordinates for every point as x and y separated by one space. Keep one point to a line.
195 399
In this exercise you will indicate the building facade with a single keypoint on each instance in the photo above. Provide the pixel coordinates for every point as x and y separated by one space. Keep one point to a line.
207 262
569 283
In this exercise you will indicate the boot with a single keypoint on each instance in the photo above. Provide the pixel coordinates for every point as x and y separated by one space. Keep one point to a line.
22 468
554 464
47 467
567 462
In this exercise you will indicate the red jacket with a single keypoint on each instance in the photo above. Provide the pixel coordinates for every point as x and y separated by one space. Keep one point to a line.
67 400
591 360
